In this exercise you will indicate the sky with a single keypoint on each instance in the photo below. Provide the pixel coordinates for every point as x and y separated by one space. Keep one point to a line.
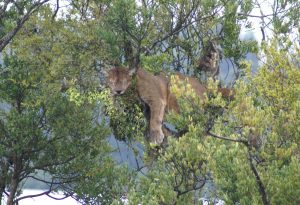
44 200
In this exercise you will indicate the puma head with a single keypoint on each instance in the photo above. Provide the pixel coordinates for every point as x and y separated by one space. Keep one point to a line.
119 79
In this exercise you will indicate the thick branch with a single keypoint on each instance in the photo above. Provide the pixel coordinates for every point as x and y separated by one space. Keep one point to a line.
260 184
32 196
17 167
8 37
3 174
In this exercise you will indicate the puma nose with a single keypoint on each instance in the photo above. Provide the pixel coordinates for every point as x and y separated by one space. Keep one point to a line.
118 92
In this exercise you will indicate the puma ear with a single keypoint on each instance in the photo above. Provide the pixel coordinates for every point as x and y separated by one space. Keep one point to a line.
132 71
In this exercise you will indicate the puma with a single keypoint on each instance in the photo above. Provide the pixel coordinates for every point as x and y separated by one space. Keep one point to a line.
154 91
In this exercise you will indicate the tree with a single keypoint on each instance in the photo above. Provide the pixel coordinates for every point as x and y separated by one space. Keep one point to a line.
250 150
236 140
246 149
44 130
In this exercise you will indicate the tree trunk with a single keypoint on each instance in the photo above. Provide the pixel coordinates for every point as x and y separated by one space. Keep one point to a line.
15 180
3 175
13 190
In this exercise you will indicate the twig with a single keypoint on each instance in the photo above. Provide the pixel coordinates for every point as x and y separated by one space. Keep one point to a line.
245 142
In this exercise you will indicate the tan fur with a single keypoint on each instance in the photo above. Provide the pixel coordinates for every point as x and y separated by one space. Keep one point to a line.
118 80
155 92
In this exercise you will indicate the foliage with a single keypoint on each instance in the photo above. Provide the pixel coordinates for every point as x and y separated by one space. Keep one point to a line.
46 130
124 113
264 147
57 115
177 171
250 148
264 104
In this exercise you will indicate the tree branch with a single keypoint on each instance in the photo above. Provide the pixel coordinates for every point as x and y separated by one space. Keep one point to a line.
260 184
62 198
56 10
183 22
8 37
47 193
245 142
32 195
